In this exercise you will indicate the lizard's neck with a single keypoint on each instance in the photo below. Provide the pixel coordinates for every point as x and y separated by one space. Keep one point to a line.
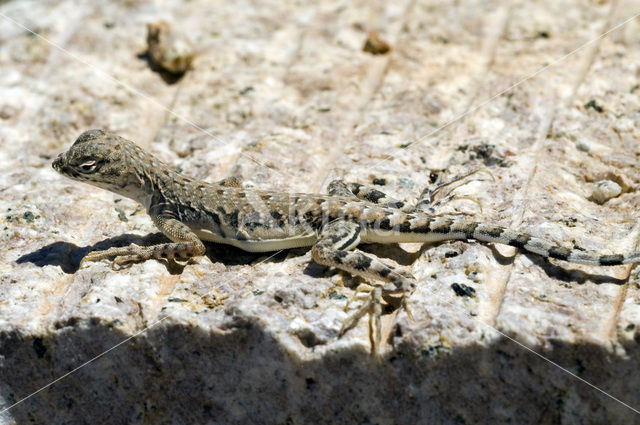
163 184
151 181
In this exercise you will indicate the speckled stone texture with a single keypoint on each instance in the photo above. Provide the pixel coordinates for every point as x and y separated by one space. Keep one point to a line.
282 95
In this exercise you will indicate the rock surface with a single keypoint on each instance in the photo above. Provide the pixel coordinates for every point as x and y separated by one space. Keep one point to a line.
282 95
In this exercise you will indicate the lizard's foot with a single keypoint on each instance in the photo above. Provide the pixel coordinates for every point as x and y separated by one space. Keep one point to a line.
371 305
431 197
433 208
124 256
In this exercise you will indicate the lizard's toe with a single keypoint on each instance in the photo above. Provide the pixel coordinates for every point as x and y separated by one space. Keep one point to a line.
123 262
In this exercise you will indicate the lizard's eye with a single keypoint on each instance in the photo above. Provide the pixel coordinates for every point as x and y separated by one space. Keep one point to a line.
88 166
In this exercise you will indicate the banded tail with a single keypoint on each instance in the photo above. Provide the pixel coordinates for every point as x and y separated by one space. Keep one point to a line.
539 246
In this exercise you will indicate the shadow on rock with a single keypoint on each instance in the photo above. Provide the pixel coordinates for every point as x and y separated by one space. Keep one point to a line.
166 76
68 255
241 374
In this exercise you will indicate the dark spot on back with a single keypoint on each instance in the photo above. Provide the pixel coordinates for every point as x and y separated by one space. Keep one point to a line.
277 217
559 252
611 260
338 256
362 262
469 229
341 254
494 232
520 241
422 229
232 219
374 196
405 227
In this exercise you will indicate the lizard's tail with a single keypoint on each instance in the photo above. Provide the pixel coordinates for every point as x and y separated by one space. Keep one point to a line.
542 247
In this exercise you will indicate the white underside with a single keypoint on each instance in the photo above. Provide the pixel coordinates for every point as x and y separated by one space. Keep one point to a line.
264 245
371 236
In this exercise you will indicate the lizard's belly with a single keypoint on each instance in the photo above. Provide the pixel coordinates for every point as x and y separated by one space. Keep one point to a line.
259 245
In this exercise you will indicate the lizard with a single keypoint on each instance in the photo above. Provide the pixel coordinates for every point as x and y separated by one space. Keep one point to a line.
190 211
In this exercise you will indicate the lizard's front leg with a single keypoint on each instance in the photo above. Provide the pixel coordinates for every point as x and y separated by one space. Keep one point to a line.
335 247
184 246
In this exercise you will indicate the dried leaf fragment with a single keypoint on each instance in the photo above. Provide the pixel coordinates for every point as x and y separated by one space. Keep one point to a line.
375 45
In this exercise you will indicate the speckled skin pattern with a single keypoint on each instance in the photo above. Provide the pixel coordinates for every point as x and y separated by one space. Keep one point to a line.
188 211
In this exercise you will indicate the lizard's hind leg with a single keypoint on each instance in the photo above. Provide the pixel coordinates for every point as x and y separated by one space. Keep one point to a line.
366 193
440 193
336 248
229 182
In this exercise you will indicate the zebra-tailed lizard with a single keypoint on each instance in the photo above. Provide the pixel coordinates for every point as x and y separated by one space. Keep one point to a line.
189 211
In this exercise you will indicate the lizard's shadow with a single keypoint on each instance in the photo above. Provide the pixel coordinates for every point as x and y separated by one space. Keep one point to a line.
406 258
558 272
68 255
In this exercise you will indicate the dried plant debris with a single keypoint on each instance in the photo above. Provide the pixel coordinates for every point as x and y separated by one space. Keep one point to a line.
169 48
375 45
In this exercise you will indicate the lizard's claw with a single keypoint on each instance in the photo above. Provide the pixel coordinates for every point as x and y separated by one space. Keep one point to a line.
122 262
451 185
405 305
372 306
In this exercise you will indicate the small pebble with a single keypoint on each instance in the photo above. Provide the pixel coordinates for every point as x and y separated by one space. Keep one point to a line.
169 48
406 182
583 146
463 290
605 190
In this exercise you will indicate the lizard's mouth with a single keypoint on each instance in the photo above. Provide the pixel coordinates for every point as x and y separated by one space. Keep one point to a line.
57 163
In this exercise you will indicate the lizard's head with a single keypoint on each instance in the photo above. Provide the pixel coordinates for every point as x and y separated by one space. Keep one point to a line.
105 160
